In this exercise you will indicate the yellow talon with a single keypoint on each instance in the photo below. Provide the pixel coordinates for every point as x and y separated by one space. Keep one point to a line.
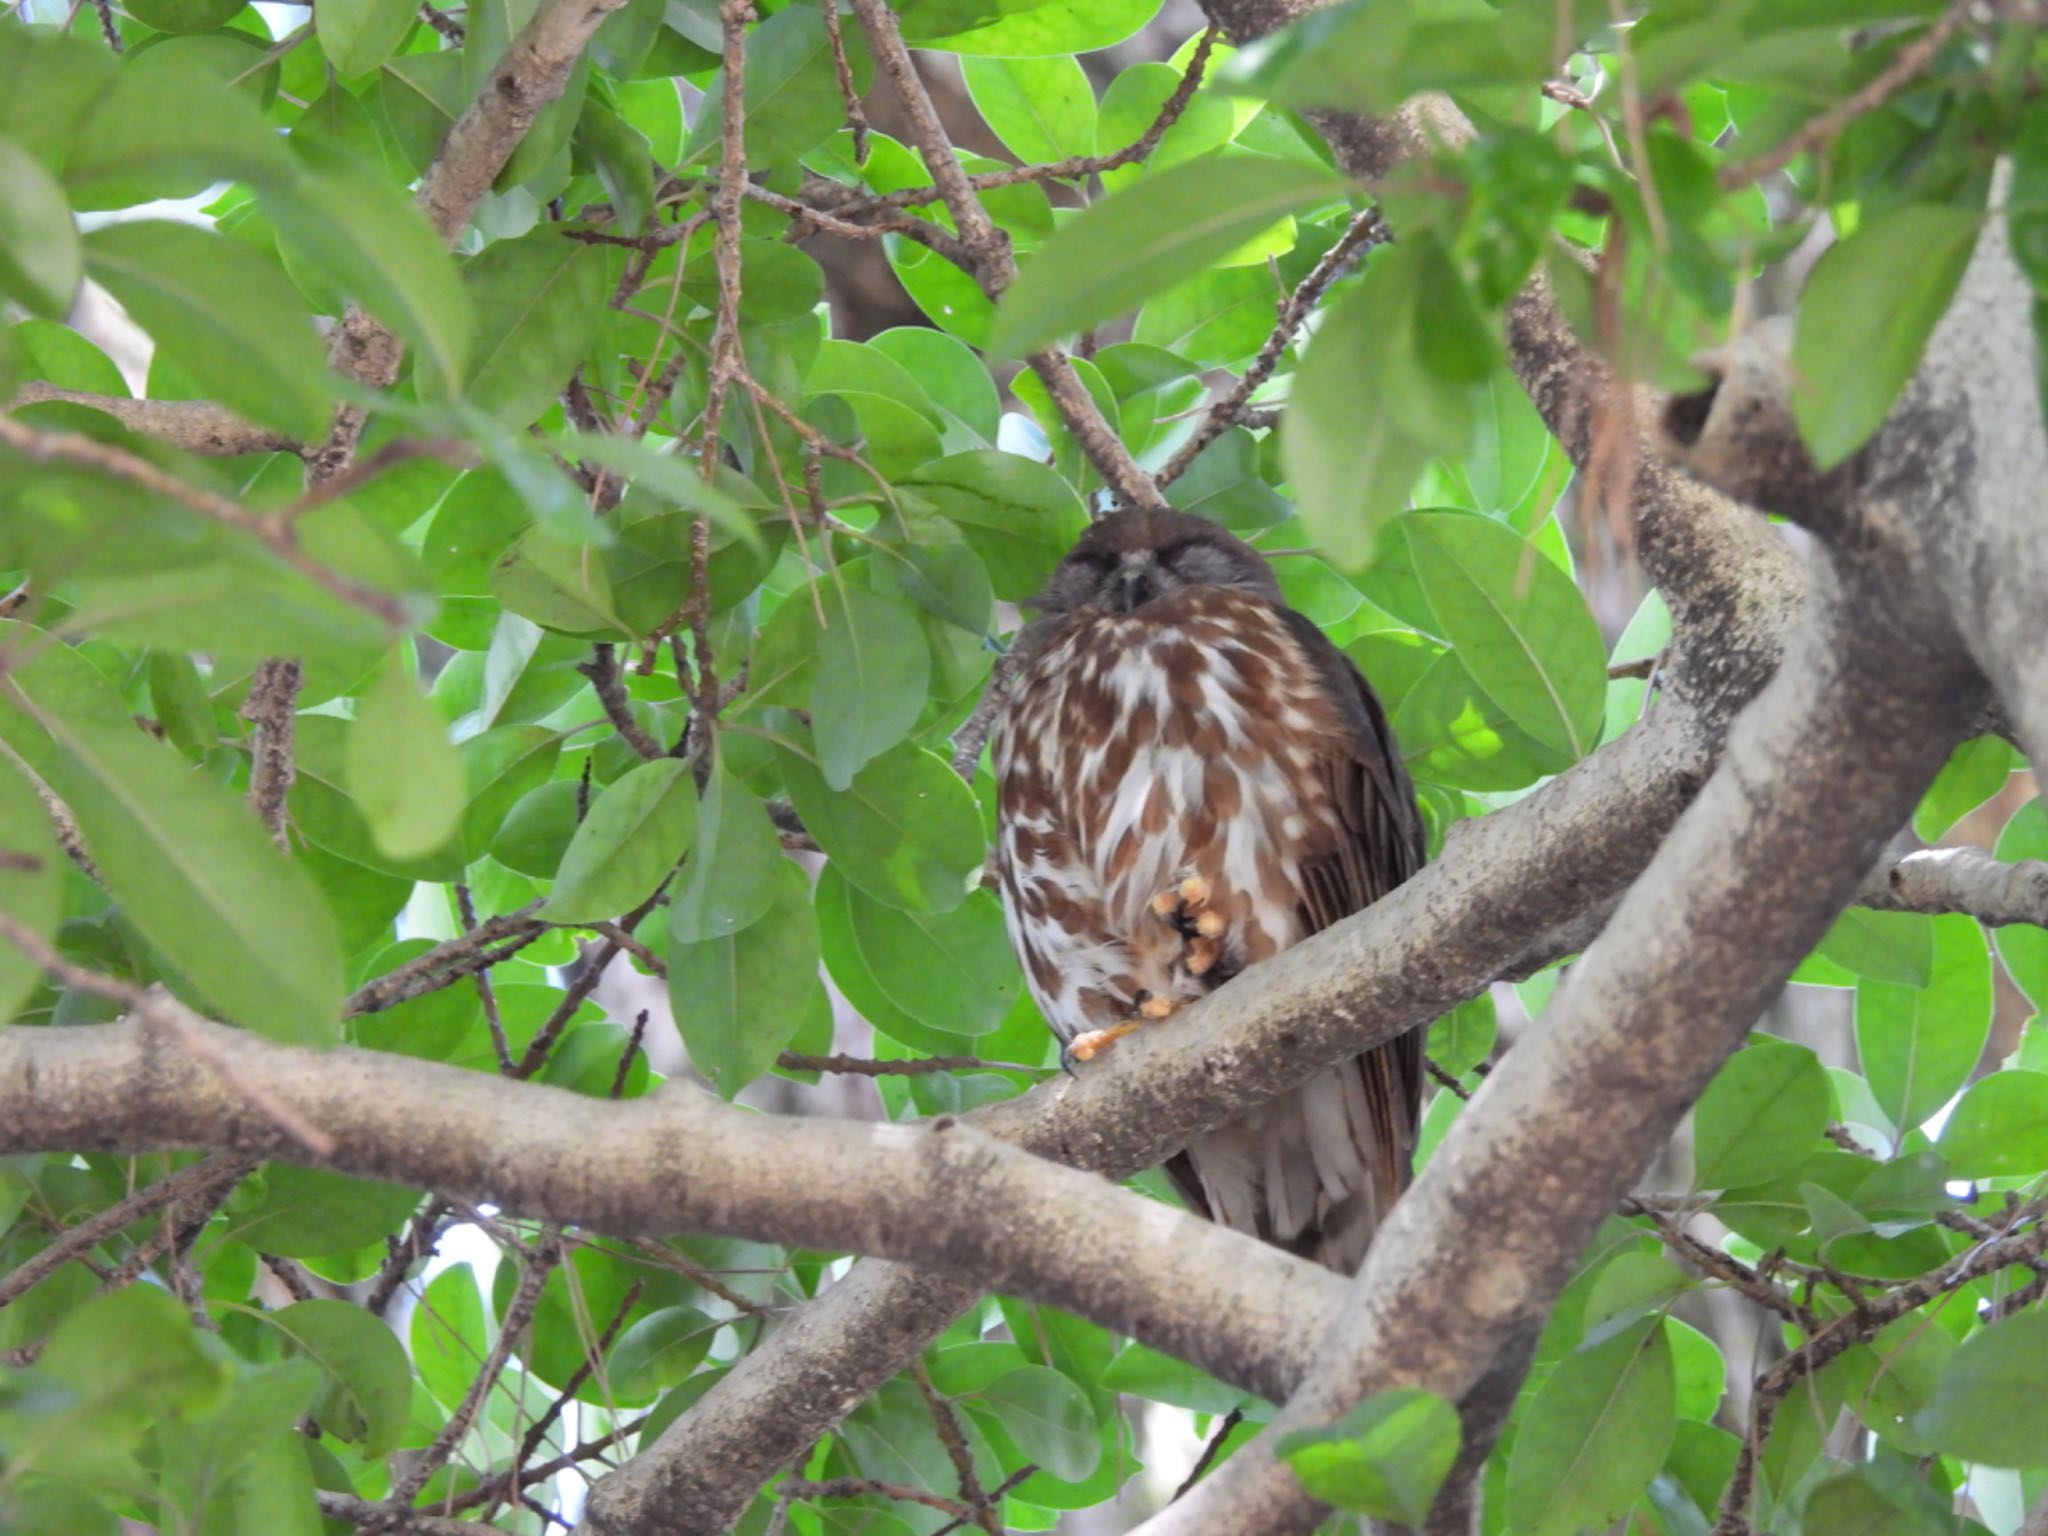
1210 924
1087 1047
1151 1008
1194 891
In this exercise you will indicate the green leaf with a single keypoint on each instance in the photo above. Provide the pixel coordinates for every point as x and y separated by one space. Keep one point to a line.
136 1348
1990 1407
448 1334
1018 514
559 585
1918 1045
39 258
738 1000
307 1213
359 35
224 313
1974 772
874 670
633 838
2022 947
1042 109
2000 1128
1594 1436
1884 946
1386 1458
1875 1500
185 15
538 300
1148 237
152 133
1023 29
368 1387
906 831
1049 1418
404 774
659 1351
500 767
1762 1114
1903 263
31 883
1464 1037
1515 621
792 90
194 870
379 249
1143 1372
1348 456
729 881
953 970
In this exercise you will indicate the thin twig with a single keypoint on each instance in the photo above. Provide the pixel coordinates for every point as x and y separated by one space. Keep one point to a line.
947 1423
272 707
88 453
863 1066
1907 65
96 1229
856 119
1365 230
465 907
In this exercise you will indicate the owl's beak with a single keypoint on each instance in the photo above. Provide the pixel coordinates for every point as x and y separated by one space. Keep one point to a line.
1135 581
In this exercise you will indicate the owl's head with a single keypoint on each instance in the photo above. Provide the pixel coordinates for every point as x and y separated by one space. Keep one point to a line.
1130 558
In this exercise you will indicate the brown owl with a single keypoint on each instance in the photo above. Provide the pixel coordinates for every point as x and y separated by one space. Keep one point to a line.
1192 778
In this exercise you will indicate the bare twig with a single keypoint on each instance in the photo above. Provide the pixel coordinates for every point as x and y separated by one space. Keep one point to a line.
465 907
95 1229
856 119
272 707
1907 65
862 1066
1365 230
87 453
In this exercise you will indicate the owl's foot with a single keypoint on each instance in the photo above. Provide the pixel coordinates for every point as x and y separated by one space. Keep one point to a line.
1186 907
1087 1047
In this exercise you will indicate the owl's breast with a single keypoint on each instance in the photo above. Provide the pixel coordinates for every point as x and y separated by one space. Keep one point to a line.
1141 749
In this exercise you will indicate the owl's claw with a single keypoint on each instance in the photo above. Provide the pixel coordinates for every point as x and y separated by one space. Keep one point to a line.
1087 1047
1186 907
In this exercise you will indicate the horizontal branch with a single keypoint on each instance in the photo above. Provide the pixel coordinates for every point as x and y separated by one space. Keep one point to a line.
1967 880
196 426
944 1194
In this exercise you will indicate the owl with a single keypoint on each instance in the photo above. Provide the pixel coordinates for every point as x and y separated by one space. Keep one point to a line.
1191 778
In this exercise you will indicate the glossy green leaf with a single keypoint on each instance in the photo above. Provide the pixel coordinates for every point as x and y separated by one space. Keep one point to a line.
537 300
1989 1408
1019 29
368 1382
1146 238
659 1351
40 266
1516 622
308 1212
792 90
1595 1434
636 833
135 1347
1020 516
2023 948
359 35
224 313
906 830
874 670
2000 1127
738 1000
1918 1044
952 970
1049 1418
729 881
448 1334
1386 1458
31 883
1763 1112
1042 109
195 871
404 774
1903 263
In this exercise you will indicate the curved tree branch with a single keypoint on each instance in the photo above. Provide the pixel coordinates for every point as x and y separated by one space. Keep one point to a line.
942 1192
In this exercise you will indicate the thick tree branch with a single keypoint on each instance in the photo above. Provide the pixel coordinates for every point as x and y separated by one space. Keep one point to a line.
945 1193
1829 760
